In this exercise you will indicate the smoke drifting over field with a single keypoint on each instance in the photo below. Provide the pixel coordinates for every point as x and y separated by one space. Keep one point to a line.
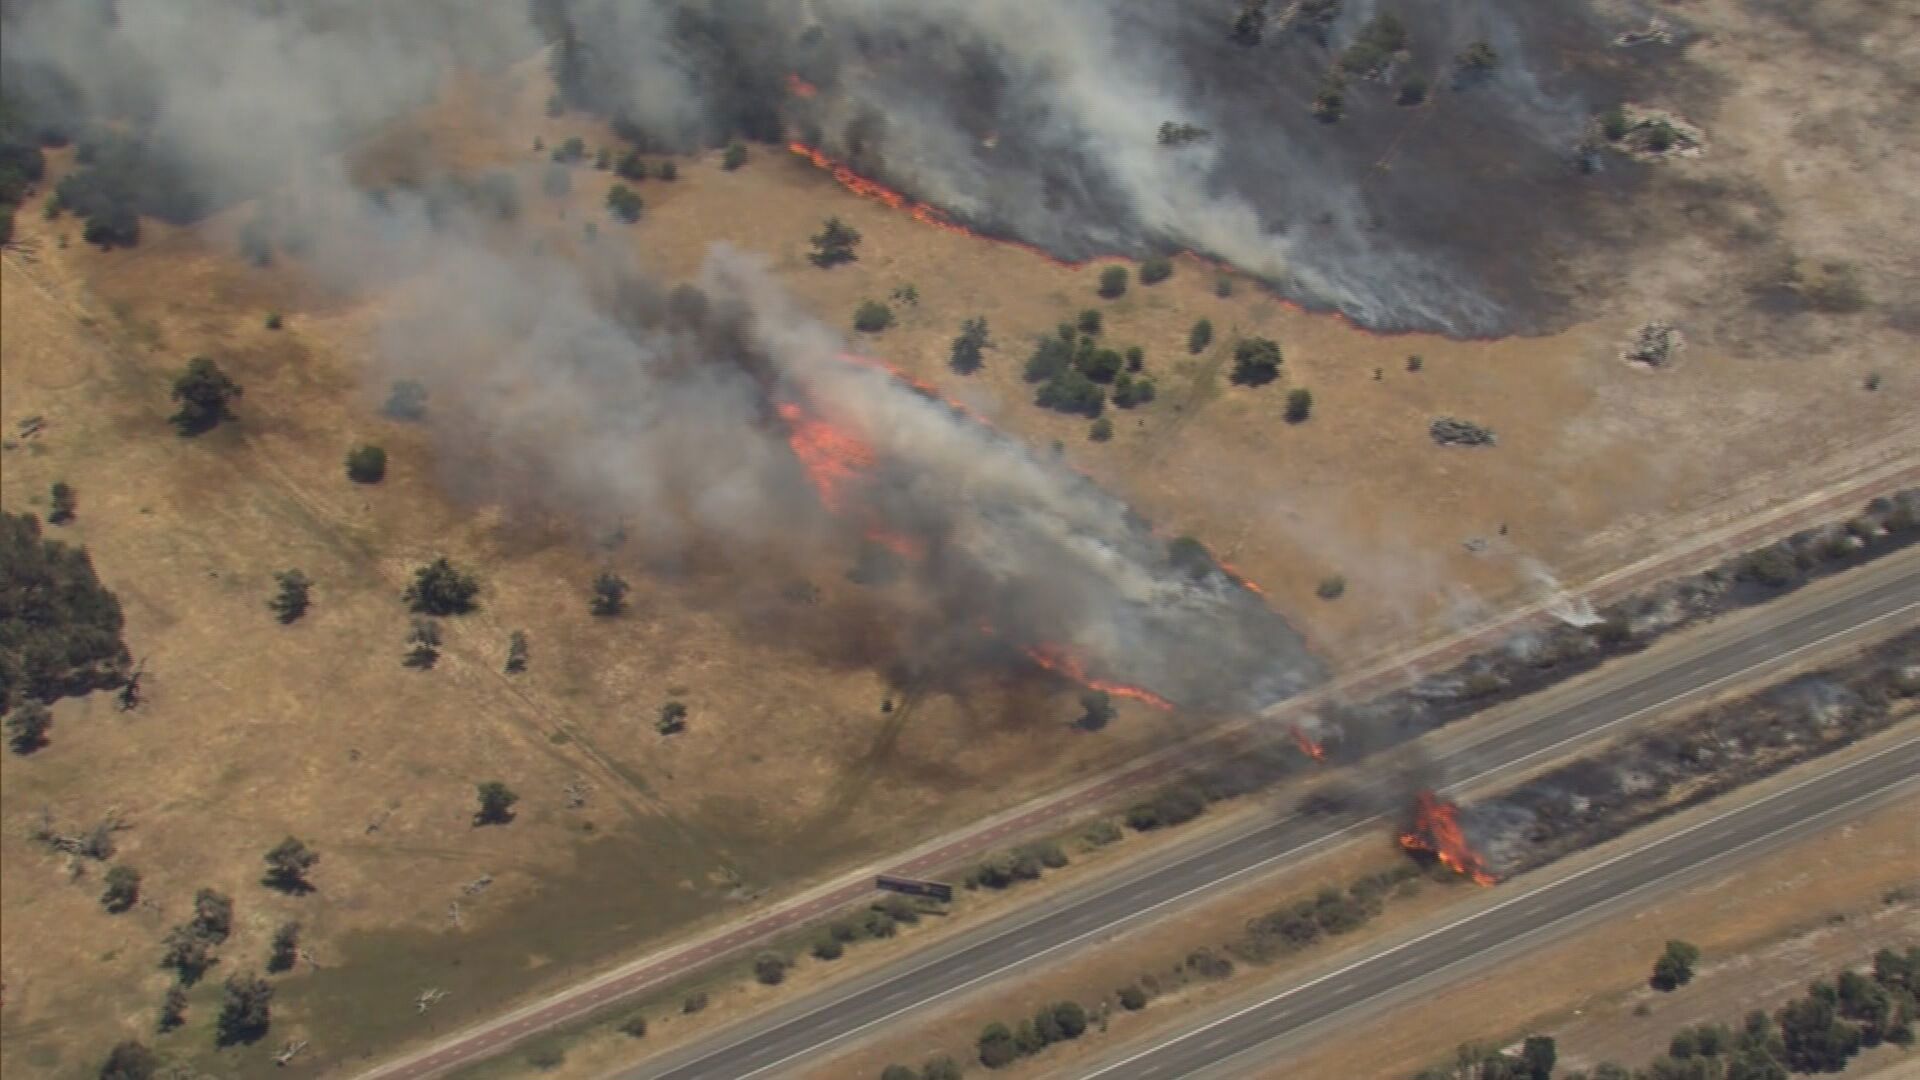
699 419
1042 121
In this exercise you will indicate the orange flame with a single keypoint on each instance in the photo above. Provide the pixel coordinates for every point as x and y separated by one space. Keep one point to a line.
800 87
1240 579
1436 830
871 189
833 458
1307 746
1059 660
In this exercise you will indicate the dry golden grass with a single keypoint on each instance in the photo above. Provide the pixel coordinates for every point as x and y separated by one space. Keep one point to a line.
789 769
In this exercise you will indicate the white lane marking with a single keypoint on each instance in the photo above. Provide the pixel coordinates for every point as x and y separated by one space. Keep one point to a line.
1594 869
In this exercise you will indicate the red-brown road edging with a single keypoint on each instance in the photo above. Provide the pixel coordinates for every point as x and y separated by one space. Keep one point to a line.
493 1035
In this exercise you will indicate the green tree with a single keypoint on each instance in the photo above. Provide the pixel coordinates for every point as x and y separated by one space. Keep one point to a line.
624 203
1051 358
996 1046
205 395
872 316
1200 337
668 171
439 588
609 594
1299 405
366 464
62 503
1674 968
828 947
247 1010
1113 282
634 1027
834 244
123 888
130 1061
1101 430
1256 361
940 1068
294 597
27 727
1156 270
518 652
735 156
672 719
496 803
770 968
287 864
1089 322
1072 392
631 166
187 953
1132 998
285 948
1332 587
1069 1019
968 348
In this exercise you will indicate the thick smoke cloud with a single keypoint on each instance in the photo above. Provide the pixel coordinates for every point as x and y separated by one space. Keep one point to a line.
1041 121
570 383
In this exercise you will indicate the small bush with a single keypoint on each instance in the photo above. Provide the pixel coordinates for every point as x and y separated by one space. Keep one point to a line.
1256 361
366 464
694 1002
1200 337
1156 270
770 968
294 597
834 244
205 395
828 948
1331 588
1089 322
1299 405
62 503
872 316
1101 431
1132 998
1416 362
1113 282
546 1055
624 203
634 1027
496 803
1101 833
735 157
672 719
274 321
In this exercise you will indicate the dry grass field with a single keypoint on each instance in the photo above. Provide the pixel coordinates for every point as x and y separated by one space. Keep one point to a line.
789 769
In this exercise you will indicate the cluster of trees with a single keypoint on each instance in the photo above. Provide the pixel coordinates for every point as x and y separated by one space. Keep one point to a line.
60 629
1256 361
1330 912
1024 863
999 1046
1819 1032
633 167
1377 45
881 920
189 947
1074 370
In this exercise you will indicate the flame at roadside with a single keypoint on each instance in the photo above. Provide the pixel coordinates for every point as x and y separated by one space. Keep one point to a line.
1436 831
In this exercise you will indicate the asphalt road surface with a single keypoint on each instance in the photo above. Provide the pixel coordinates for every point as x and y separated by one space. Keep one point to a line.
1246 1037
1880 595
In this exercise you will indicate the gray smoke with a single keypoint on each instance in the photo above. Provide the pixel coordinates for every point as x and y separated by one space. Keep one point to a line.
565 380
1041 121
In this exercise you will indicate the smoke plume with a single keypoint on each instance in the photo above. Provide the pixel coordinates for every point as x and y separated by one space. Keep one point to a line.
1044 122
723 428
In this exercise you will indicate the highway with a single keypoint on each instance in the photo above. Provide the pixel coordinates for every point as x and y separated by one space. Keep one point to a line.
1877 598
1244 1038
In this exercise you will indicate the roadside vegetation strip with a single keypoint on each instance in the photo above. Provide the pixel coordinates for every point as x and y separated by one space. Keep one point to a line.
1819 1032
1583 803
